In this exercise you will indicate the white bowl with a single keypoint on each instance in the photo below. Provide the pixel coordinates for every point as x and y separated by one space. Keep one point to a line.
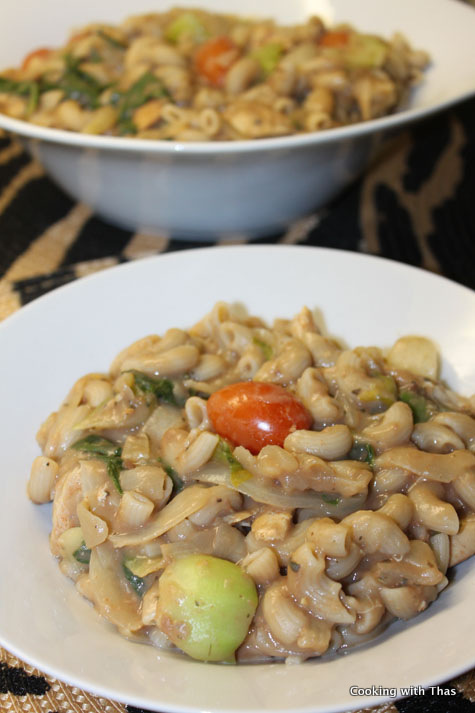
255 187
43 619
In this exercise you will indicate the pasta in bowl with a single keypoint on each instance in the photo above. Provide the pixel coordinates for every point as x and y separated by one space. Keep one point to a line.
332 487
193 75
257 177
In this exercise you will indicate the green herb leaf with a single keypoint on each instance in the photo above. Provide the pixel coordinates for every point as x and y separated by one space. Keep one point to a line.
24 89
114 466
363 452
33 98
138 583
147 87
105 450
422 409
223 454
178 483
371 454
82 554
161 388
8 86
11 86
74 82
78 84
98 445
294 566
126 126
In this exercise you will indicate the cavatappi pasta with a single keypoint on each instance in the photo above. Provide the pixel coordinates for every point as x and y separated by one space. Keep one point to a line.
192 75
252 491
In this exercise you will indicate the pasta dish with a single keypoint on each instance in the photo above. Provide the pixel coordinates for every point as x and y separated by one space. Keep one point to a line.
240 491
192 75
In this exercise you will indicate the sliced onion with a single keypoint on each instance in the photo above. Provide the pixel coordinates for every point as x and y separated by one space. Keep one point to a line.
220 474
109 594
184 504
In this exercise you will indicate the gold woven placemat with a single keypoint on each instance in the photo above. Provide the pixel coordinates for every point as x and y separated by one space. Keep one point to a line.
24 689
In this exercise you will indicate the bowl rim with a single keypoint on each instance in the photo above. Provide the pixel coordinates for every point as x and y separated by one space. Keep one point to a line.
121 144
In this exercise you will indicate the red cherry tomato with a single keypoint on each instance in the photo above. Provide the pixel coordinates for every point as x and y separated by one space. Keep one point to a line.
214 58
335 38
41 53
255 414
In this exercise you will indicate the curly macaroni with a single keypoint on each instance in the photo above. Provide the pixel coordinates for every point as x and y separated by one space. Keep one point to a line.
192 75
334 487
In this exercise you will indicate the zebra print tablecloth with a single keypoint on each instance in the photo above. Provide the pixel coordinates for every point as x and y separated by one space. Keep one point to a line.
416 204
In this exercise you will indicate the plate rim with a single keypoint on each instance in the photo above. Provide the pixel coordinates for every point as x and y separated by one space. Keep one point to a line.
173 254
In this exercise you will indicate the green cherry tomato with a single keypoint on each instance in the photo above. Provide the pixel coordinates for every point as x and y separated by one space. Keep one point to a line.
205 606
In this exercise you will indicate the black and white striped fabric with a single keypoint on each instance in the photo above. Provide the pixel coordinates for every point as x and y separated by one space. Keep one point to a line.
415 204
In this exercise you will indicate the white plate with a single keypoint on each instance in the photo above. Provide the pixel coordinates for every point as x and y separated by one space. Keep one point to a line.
79 328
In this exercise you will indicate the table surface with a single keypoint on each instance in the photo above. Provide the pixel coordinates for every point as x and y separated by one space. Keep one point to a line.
415 204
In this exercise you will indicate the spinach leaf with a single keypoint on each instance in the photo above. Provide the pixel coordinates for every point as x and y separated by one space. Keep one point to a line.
33 98
126 126
30 89
105 450
82 554
363 452
11 86
161 388
147 87
78 84
97 445
178 483
422 409
114 466
223 454
138 583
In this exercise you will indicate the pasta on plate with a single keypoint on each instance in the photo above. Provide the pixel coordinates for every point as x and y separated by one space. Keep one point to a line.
192 75
240 491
